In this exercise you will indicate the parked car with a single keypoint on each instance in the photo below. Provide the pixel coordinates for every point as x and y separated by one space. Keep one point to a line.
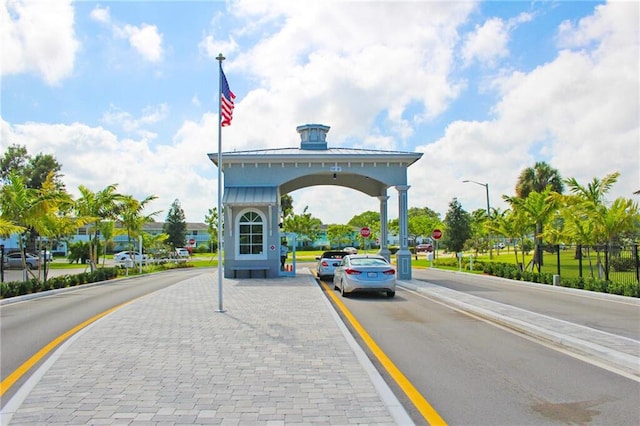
498 246
328 262
46 255
134 255
365 273
14 260
182 252
424 248
350 250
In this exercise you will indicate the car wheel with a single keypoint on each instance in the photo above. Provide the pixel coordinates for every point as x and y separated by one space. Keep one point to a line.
342 292
29 265
391 293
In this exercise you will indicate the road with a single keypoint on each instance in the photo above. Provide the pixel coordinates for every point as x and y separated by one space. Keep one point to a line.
619 316
27 327
470 371
474 372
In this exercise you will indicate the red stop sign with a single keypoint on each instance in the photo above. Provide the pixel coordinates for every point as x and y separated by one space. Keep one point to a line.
436 234
192 241
365 232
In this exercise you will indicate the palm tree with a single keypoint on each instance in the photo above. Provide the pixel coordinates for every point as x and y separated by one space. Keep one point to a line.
537 178
131 217
108 230
538 208
97 206
591 221
24 208
7 228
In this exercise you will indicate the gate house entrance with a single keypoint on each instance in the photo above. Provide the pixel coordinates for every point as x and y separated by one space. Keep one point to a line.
255 180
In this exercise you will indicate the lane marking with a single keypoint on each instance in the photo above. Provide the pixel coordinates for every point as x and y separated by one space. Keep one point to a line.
421 404
27 365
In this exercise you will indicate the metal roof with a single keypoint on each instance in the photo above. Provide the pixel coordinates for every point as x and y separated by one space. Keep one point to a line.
330 154
250 196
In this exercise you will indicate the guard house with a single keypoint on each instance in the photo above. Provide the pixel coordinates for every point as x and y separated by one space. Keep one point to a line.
255 180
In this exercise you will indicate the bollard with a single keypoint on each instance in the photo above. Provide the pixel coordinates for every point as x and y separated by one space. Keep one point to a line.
556 280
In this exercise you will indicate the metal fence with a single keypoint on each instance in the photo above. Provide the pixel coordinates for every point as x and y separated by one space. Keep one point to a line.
615 263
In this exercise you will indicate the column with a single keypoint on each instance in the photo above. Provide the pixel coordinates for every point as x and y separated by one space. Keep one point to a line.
384 250
403 256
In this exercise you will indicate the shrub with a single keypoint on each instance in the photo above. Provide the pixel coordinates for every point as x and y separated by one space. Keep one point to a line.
622 264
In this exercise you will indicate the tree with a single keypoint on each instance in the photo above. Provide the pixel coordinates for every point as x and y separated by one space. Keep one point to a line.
25 208
421 221
14 160
286 205
590 221
537 178
304 225
368 219
537 207
175 225
339 235
458 224
130 215
34 170
96 207
211 219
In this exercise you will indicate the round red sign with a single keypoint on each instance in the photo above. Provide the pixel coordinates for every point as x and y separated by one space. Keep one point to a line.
192 241
365 232
436 234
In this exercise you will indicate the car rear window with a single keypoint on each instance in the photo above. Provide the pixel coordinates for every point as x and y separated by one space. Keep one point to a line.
368 261
334 254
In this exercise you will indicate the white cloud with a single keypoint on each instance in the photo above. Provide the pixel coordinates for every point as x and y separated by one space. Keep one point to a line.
39 38
146 40
101 14
487 43
138 167
124 120
334 65
578 112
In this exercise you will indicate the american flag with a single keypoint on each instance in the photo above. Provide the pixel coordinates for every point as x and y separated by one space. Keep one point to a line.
227 97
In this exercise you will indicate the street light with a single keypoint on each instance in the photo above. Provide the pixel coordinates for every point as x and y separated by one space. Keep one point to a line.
486 187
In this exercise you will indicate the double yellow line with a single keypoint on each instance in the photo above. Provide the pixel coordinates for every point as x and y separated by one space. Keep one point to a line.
27 365
421 404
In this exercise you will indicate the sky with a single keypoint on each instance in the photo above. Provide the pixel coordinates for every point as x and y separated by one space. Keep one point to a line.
126 93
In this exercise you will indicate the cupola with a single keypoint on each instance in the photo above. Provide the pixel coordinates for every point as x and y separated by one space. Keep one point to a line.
313 136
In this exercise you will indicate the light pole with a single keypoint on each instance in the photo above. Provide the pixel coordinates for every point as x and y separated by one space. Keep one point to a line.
486 187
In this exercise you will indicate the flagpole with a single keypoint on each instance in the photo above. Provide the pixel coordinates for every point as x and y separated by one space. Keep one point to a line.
220 58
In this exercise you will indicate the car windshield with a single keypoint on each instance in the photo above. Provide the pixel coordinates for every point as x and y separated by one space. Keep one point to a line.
368 261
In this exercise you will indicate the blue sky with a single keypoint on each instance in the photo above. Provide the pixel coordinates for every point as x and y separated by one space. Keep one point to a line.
125 92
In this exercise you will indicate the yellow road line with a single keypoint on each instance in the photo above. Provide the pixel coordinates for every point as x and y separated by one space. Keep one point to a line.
421 404
27 365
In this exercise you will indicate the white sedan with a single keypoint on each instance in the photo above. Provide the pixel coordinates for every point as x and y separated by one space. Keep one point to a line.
132 255
365 273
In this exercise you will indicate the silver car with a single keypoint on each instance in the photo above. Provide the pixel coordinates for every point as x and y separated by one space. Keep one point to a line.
14 260
365 273
328 262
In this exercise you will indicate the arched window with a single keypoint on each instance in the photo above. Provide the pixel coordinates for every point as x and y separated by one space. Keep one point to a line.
251 241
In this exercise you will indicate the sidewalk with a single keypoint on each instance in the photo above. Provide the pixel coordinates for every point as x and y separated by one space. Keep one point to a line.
277 355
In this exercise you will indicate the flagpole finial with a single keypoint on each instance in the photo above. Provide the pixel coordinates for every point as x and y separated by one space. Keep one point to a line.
220 57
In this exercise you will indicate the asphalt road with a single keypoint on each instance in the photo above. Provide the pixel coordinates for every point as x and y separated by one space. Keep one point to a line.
26 327
473 372
615 315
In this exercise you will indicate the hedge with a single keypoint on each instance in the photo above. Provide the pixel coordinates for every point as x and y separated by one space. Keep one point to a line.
508 270
20 288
